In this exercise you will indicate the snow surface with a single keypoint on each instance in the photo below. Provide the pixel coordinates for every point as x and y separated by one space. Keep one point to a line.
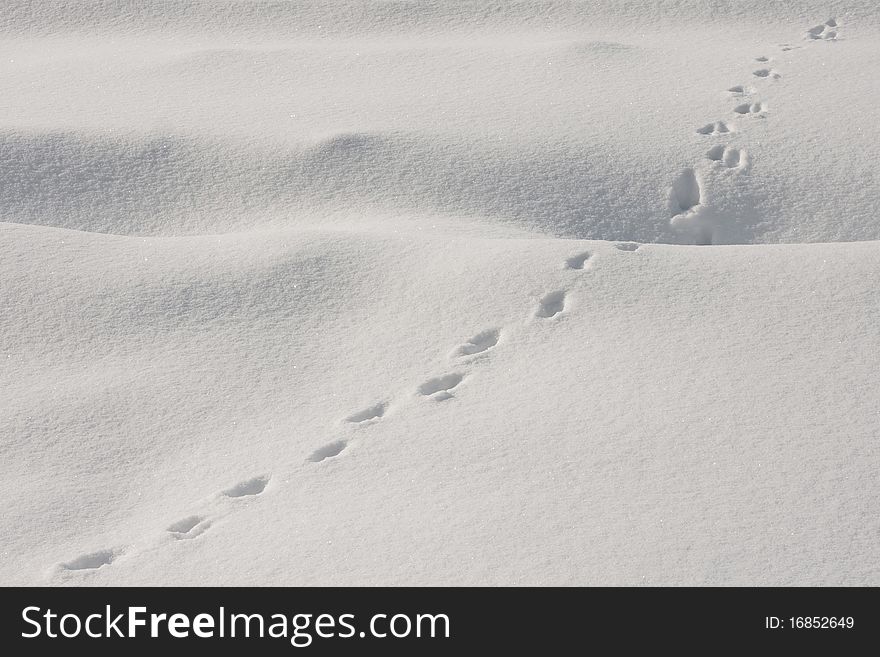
325 293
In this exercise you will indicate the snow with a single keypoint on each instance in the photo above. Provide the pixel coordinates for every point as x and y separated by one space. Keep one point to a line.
391 293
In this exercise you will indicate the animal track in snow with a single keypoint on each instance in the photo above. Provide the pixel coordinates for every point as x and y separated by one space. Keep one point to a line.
372 413
579 261
480 343
762 59
328 451
716 128
685 193
826 31
785 47
551 304
766 73
91 561
689 214
626 246
732 158
189 527
438 388
247 488
754 109
739 90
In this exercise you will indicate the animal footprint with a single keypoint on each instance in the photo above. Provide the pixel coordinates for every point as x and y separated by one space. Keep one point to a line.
766 73
732 158
480 343
689 213
685 193
91 561
626 246
753 109
438 388
247 488
372 413
328 451
740 90
762 59
826 31
189 527
551 305
578 261
717 128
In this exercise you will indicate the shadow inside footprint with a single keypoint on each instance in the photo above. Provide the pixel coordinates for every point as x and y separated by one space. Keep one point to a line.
91 561
578 261
327 451
627 246
189 527
750 108
372 413
438 388
480 343
729 157
716 128
551 305
716 153
253 486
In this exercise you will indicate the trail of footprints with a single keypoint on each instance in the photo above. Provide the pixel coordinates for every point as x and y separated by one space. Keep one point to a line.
445 386
437 388
687 198
686 204
186 528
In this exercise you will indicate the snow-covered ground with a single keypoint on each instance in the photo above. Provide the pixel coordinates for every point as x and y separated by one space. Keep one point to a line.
440 292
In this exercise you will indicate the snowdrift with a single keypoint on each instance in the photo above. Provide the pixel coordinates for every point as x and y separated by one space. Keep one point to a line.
439 293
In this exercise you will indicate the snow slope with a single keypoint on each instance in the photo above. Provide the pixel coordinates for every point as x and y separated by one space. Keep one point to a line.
411 293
